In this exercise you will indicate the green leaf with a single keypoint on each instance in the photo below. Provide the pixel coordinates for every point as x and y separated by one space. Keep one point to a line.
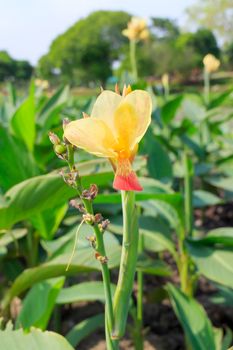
224 296
83 261
213 262
153 267
11 236
50 111
168 111
48 221
221 237
38 313
45 192
156 235
166 210
17 164
159 164
36 340
216 102
196 325
84 329
203 199
23 121
225 183
86 291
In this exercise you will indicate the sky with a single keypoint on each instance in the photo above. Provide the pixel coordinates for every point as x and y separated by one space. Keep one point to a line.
28 27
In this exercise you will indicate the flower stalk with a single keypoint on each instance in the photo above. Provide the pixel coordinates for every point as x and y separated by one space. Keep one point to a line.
99 247
127 264
133 59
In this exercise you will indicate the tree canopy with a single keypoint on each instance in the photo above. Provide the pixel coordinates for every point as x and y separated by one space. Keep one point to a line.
13 69
87 50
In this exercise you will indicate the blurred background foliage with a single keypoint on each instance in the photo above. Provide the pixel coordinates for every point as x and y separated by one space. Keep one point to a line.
93 50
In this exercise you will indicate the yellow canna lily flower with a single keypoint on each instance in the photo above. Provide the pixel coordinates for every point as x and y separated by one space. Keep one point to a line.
211 63
136 29
114 129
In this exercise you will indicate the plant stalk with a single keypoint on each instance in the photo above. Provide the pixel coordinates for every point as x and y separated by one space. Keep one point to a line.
127 265
100 248
140 280
133 59
206 87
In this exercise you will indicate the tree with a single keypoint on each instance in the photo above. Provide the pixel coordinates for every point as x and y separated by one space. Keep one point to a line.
87 50
216 16
14 69
165 28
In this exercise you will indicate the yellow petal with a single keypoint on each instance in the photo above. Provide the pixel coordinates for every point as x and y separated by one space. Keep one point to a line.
105 106
93 135
141 102
125 127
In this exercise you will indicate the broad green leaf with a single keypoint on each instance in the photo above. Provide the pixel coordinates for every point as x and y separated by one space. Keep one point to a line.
196 325
34 340
17 164
47 191
225 183
153 267
159 164
83 261
85 291
214 263
156 235
52 105
203 199
11 236
224 296
166 210
168 111
38 313
65 243
216 102
49 114
48 221
85 329
23 121
221 237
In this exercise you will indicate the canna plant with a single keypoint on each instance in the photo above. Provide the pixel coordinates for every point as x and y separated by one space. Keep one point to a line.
114 129
136 31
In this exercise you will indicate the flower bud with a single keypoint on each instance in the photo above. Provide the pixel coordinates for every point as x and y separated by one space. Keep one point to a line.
60 149
54 138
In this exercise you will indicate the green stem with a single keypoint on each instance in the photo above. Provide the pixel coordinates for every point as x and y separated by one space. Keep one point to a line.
206 87
140 279
100 248
188 194
127 265
186 281
133 59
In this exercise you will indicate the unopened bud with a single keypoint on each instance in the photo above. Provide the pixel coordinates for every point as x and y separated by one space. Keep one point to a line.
91 193
102 259
89 219
77 205
60 149
104 225
54 138
92 241
98 218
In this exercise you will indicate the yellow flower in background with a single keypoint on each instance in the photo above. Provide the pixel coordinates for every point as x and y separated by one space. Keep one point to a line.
136 29
165 79
43 84
211 63
114 129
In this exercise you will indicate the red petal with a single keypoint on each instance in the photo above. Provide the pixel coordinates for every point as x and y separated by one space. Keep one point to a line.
127 182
